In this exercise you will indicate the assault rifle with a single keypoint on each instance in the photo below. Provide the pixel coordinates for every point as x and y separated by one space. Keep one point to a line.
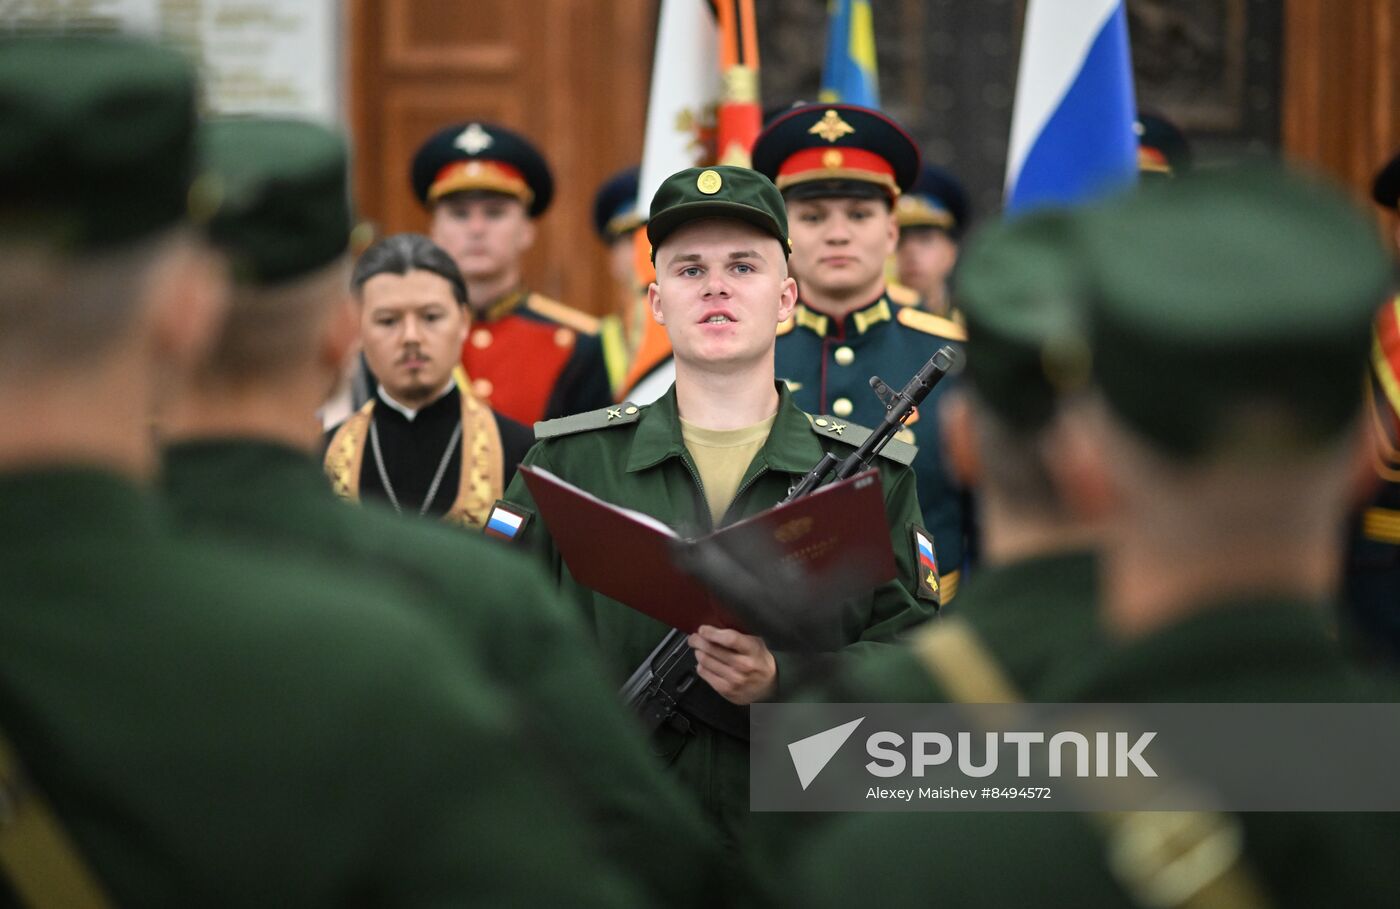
665 689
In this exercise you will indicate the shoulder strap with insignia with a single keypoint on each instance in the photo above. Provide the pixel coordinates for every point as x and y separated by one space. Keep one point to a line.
930 324
566 316
602 418
1162 859
854 434
37 856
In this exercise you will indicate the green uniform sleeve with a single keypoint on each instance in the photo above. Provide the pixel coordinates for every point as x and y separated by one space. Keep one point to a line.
533 538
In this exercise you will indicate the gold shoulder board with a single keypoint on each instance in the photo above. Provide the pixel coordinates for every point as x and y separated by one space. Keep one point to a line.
930 324
566 316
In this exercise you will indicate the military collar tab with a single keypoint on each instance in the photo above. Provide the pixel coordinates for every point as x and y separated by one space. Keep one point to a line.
862 319
658 435
874 314
811 320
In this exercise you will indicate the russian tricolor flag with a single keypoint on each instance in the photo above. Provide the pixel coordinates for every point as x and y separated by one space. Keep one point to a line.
1072 136
927 558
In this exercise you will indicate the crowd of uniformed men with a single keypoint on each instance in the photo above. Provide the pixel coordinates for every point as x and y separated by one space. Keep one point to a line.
222 686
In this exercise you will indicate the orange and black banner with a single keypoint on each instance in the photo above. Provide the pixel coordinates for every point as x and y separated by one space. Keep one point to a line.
740 114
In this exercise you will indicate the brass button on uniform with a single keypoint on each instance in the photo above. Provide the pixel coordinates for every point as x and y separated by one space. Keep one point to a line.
631 409
481 338
564 337
482 388
845 357
842 407
819 421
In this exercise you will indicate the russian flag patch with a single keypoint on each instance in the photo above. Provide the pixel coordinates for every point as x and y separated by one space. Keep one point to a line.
506 521
925 565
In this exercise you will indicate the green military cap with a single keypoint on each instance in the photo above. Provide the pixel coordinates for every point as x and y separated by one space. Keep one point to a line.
96 139
1229 287
284 205
717 192
1019 286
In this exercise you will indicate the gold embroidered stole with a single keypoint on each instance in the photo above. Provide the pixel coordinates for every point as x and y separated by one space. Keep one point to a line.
482 478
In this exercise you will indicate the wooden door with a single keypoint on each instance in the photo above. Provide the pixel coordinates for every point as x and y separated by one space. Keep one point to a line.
571 75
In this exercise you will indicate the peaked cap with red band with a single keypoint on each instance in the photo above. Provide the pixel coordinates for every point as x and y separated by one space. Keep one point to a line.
482 157
837 150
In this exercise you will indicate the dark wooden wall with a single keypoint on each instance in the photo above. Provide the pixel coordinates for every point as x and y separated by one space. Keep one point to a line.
1341 86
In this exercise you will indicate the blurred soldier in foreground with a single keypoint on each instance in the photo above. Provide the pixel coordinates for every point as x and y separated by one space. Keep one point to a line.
527 356
722 444
841 169
213 727
933 216
241 470
1033 603
420 443
1228 317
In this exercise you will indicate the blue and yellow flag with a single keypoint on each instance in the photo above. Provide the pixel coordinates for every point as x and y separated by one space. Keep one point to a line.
849 75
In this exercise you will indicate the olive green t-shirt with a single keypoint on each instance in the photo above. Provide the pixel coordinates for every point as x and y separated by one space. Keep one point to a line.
722 456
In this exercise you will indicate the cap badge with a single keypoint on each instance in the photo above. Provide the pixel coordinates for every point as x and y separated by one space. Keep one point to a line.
831 127
833 159
474 140
709 182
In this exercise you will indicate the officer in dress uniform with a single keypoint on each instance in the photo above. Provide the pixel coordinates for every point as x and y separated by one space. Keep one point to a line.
842 169
1228 314
933 216
239 468
1372 580
211 724
527 356
421 443
1164 151
616 220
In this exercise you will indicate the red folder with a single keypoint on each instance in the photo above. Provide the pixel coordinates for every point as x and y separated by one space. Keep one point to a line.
839 531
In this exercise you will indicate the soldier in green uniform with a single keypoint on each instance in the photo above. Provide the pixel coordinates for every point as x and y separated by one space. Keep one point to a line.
213 727
841 169
241 468
724 443
1229 314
